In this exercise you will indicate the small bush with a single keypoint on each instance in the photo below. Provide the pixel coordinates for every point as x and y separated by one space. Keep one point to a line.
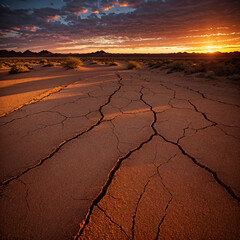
72 63
134 65
44 61
176 67
50 64
113 63
234 77
158 64
28 66
151 64
19 68
96 62
3 66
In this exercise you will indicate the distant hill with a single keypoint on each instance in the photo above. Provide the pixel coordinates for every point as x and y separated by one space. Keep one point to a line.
44 53
101 53
27 53
5 53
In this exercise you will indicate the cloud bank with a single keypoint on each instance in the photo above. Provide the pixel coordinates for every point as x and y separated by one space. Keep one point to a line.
122 26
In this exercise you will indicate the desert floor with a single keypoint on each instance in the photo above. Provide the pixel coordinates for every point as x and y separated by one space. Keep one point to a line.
125 154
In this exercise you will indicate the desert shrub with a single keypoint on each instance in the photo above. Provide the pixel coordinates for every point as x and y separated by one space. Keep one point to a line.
93 62
19 68
50 64
72 62
234 77
43 61
113 63
151 64
177 66
28 66
134 65
96 62
208 74
3 66
158 64
226 68
9 64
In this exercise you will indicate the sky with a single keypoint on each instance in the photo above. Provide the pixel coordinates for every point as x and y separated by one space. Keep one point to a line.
120 26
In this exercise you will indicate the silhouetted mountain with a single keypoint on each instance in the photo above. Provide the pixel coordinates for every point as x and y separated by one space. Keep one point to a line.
99 53
5 53
28 53
45 53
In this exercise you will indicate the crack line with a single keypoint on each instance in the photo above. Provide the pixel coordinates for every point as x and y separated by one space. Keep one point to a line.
6 182
39 98
213 173
119 226
159 226
138 201
114 170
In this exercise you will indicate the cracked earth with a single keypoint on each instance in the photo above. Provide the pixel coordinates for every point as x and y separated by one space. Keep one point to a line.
109 153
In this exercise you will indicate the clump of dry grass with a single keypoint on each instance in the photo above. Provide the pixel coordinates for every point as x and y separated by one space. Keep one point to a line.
43 61
19 68
29 66
50 64
134 65
98 62
72 62
113 63
207 68
3 66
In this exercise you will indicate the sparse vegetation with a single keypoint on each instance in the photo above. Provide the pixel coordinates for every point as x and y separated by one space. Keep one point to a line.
202 68
72 63
43 61
30 67
134 65
113 63
206 67
93 61
50 64
19 68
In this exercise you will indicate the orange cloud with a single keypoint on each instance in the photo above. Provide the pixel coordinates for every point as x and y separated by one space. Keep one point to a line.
81 11
31 29
125 4
107 8
95 11
52 18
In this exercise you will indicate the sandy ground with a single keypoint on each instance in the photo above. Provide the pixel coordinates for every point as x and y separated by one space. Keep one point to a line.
125 154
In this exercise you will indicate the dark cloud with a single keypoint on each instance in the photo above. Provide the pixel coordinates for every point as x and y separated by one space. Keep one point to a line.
156 22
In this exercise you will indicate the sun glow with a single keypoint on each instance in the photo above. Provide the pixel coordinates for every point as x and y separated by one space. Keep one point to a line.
211 49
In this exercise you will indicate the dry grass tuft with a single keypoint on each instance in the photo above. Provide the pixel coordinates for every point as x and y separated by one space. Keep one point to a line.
72 62
134 65
50 64
19 68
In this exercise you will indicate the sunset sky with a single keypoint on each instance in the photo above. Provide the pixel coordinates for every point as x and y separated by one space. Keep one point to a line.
119 26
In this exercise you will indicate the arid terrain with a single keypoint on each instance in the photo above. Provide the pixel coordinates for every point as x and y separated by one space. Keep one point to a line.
106 152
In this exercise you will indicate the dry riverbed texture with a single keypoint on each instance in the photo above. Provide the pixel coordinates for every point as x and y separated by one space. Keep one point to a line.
109 153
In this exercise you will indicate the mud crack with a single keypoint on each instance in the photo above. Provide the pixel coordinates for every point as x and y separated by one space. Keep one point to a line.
6 182
165 214
114 170
138 201
119 226
213 173
39 98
